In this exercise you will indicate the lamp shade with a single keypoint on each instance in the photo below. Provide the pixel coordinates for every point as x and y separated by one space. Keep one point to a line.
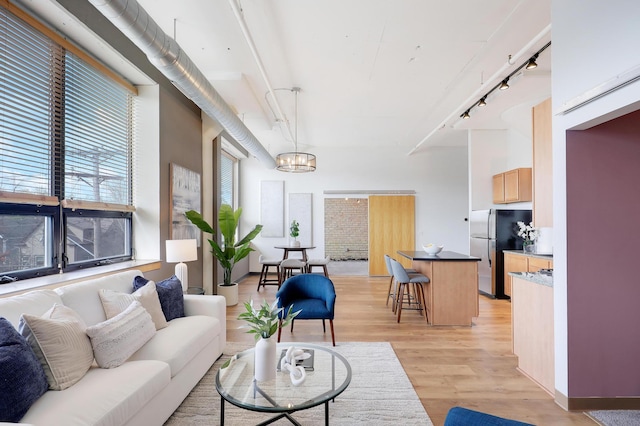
182 250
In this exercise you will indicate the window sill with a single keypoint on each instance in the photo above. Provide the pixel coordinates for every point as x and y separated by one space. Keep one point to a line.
59 280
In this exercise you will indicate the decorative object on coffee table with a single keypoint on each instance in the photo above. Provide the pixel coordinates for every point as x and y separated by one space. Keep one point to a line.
263 323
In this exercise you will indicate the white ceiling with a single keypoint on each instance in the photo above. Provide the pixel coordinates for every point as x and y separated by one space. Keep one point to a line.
371 72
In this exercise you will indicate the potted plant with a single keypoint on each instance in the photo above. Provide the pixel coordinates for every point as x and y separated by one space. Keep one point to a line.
263 323
230 252
294 231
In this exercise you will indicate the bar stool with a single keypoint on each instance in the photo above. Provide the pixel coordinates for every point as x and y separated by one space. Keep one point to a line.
266 264
288 266
391 293
403 280
319 263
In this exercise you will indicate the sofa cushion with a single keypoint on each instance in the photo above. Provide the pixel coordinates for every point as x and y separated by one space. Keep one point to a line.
34 302
193 333
83 297
115 302
170 294
103 397
22 377
116 339
60 343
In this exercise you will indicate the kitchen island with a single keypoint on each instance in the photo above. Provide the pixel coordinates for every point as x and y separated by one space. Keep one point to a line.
452 293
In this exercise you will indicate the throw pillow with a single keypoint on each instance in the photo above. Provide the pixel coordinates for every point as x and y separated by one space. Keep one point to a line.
114 302
60 343
117 338
23 380
170 294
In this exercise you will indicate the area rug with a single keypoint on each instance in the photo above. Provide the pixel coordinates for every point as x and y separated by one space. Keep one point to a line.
616 417
380 393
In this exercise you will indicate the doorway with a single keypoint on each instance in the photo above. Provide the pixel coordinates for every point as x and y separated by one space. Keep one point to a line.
346 235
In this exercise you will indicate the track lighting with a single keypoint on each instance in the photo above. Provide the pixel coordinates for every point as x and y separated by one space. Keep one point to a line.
504 84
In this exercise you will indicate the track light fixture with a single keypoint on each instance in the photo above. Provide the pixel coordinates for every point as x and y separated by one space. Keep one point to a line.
504 84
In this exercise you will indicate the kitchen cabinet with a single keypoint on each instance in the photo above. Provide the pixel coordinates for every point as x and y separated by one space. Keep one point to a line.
512 186
521 262
532 328
542 165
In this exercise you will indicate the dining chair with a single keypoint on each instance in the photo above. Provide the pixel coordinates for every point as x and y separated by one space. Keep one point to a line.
266 264
289 266
319 263
404 280
313 295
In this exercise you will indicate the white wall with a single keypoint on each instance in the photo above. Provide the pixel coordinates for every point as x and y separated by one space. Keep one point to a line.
492 152
607 35
438 176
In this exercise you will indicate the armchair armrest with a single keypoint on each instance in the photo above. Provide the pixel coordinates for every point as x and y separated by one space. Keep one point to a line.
209 305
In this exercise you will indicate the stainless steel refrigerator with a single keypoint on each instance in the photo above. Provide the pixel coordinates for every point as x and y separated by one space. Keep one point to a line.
492 232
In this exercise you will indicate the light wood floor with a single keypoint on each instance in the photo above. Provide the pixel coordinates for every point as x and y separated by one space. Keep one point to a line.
467 366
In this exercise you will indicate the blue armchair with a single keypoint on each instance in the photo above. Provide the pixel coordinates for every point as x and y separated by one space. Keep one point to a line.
313 294
458 416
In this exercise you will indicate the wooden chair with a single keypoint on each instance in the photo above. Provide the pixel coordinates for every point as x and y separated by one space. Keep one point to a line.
319 263
266 264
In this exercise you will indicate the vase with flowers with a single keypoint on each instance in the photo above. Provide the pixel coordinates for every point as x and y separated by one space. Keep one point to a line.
528 233
263 323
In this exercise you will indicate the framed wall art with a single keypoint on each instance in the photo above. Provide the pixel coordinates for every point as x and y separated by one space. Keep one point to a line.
185 195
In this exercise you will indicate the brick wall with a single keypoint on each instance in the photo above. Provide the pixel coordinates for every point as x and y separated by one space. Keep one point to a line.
346 228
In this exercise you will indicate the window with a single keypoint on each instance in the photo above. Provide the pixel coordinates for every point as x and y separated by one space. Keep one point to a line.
228 173
66 132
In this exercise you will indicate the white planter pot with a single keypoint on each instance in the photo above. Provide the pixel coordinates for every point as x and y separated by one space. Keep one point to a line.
295 243
265 359
230 293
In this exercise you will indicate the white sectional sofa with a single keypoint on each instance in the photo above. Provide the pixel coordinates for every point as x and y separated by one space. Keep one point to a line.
152 383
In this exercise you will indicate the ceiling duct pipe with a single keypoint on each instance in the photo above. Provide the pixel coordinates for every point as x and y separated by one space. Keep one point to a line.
166 55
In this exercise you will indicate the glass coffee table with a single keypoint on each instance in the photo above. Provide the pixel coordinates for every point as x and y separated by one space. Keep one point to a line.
328 378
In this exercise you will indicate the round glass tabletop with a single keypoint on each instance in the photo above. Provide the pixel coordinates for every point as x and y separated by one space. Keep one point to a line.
327 377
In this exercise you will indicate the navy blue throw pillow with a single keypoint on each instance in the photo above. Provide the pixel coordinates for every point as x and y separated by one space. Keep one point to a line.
169 293
22 378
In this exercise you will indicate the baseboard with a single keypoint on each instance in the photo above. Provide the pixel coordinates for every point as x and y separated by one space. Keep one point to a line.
595 403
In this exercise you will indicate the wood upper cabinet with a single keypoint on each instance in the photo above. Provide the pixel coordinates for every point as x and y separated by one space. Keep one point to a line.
512 186
542 165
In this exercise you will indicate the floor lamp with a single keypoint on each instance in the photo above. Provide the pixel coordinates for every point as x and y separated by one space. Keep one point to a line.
182 251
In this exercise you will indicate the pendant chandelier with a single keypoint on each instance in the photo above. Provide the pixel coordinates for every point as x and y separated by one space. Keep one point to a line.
296 162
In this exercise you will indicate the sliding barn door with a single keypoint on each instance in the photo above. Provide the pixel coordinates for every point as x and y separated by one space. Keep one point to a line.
391 228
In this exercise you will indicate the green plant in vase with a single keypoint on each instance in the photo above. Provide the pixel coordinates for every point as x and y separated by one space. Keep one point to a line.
294 232
229 252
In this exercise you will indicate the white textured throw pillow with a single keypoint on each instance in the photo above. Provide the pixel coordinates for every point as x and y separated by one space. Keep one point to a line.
117 338
114 302
60 343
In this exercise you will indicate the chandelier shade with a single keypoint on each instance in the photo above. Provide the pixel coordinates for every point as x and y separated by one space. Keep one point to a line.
296 162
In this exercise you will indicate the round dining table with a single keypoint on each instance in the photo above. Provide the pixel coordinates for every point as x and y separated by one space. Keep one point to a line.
302 249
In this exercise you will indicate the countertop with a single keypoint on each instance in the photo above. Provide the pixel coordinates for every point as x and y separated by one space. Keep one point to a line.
443 255
522 253
534 277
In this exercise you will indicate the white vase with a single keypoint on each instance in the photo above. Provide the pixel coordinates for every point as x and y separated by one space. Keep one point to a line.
295 243
265 359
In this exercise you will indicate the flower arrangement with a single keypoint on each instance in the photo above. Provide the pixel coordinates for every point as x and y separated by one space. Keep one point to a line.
528 233
263 322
